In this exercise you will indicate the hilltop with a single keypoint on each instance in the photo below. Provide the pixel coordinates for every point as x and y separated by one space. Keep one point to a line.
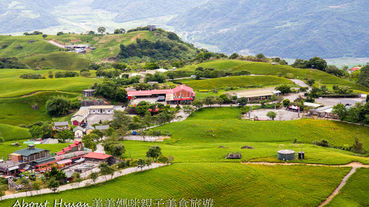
37 52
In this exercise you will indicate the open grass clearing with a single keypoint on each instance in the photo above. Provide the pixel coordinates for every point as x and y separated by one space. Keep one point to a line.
262 152
12 86
16 111
9 132
278 70
208 126
228 184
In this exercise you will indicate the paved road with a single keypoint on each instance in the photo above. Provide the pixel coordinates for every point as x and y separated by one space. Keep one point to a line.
101 179
56 44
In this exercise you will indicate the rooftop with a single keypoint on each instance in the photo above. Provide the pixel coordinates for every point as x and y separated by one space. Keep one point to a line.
96 155
102 107
64 123
28 151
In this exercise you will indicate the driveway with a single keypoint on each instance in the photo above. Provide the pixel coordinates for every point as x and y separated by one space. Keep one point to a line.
282 115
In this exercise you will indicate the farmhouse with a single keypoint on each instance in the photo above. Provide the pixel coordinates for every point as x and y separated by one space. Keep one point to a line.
102 109
99 157
78 132
179 95
29 154
257 95
88 92
61 126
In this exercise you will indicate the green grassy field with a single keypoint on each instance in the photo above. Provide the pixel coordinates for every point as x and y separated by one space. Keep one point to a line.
355 192
18 111
279 70
210 130
13 86
228 184
9 132
31 45
236 81
58 60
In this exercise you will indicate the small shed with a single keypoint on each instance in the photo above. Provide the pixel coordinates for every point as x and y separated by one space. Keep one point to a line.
286 155
78 132
234 155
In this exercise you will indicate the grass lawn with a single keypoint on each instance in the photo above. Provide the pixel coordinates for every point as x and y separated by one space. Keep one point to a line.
9 132
31 45
236 81
58 60
12 86
18 111
279 70
6 148
201 129
262 152
228 184
355 192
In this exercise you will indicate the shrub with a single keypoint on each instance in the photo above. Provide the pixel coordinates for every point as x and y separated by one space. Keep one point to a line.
31 76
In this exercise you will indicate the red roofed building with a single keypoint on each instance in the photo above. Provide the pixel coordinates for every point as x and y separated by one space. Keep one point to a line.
95 156
76 146
355 69
178 95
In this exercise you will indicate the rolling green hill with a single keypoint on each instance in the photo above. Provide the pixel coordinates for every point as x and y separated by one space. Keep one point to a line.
13 86
9 132
16 111
278 70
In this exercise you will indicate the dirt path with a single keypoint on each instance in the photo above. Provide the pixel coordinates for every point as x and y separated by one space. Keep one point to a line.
338 189
56 44
353 165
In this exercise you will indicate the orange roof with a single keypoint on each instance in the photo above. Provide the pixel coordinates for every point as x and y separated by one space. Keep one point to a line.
96 155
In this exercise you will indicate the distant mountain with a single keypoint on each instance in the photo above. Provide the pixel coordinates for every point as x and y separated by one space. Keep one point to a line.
285 28
294 29
25 15
129 10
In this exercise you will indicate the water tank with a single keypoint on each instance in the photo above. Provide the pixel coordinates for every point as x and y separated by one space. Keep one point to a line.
286 155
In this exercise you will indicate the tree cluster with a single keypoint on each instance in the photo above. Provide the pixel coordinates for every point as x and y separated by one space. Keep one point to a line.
11 63
60 106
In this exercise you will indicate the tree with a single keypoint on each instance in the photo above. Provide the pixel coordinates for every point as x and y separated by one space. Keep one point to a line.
318 63
141 163
188 109
242 101
197 103
53 184
119 31
105 169
271 115
154 152
357 147
117 149
234 56
64 135
44 36
59 33
310 82
101 30
209 100
260 56
94 176
364 76
89 141
284 89
340 110
286 103
58 106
